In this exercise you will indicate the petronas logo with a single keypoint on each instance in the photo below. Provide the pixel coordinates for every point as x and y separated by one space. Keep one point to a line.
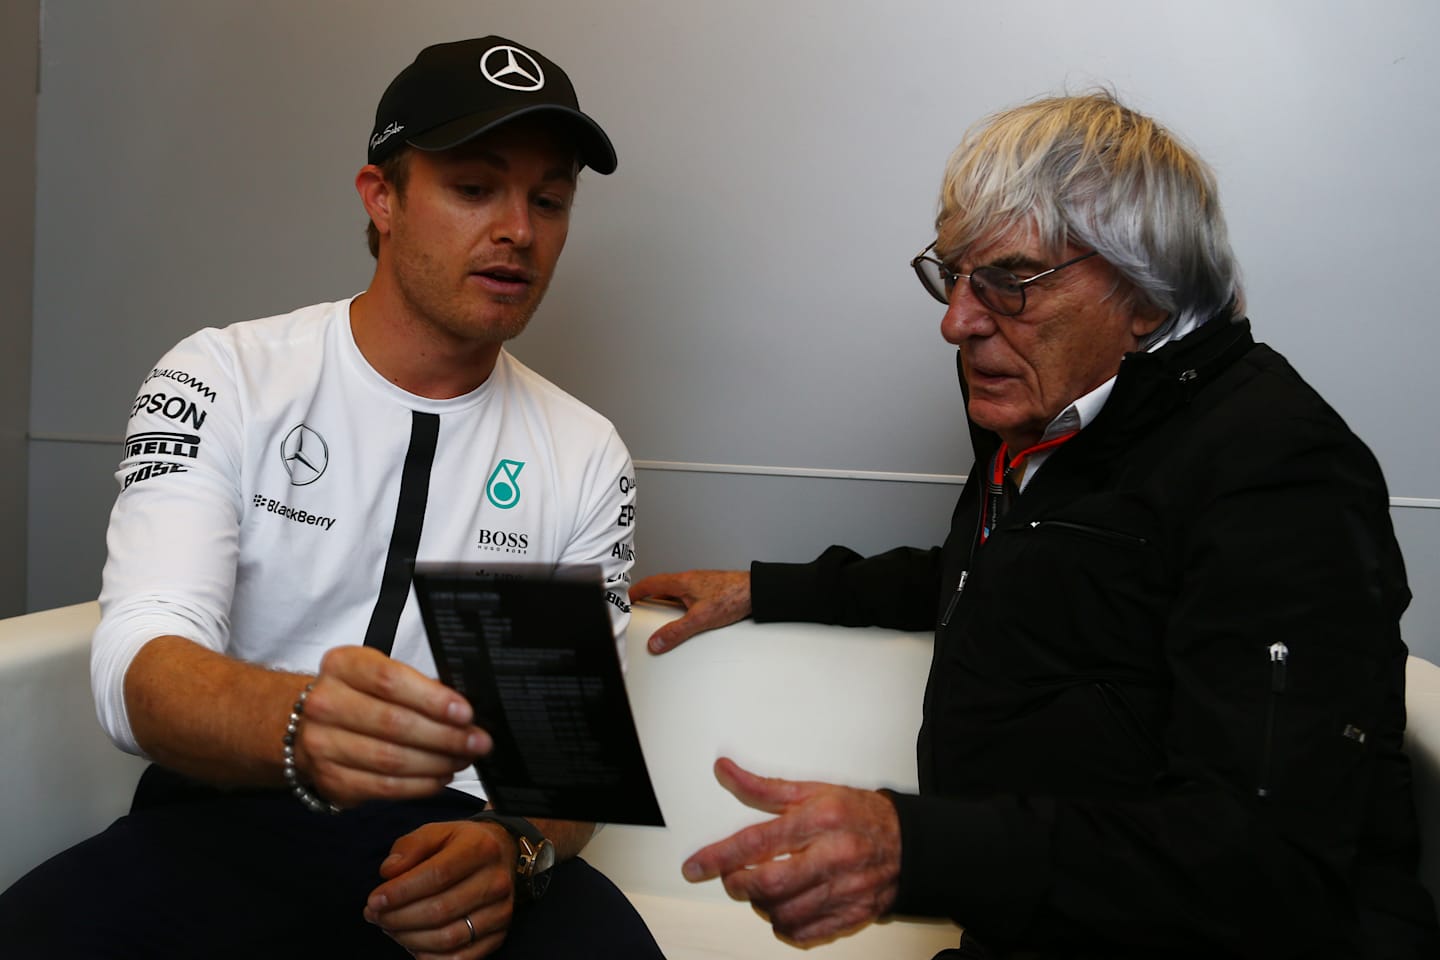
503 488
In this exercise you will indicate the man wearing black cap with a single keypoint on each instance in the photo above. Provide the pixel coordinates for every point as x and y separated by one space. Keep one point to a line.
312 792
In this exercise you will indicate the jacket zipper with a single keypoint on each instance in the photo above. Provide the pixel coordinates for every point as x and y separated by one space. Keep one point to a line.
964 574
1114 536
1279 657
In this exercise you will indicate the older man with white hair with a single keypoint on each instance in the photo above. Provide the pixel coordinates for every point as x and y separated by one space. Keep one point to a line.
1165 711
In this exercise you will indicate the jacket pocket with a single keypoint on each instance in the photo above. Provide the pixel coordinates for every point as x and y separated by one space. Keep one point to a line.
1086 530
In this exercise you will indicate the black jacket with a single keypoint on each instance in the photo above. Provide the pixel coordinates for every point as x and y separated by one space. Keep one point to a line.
1164 714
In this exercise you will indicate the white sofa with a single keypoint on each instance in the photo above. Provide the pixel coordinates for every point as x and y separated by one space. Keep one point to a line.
783 699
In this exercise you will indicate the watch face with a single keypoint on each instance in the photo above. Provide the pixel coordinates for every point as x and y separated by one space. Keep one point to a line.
538 885
544 857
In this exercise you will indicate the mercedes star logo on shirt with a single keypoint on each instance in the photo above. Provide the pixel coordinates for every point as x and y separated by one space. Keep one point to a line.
305 455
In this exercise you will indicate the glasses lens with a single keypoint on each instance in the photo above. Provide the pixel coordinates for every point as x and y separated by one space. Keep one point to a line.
998 289
935 279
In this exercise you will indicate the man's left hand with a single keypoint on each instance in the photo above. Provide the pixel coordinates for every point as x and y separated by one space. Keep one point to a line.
841 850
438 876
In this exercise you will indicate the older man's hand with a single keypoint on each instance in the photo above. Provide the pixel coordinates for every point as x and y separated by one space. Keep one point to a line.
712 599
840 848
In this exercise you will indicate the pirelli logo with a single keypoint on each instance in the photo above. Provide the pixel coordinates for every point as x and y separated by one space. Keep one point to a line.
161 443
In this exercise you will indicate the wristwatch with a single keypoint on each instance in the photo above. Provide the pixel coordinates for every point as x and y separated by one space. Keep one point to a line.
536 856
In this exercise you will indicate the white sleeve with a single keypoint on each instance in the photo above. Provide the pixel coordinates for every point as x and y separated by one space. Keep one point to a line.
605 531
173 540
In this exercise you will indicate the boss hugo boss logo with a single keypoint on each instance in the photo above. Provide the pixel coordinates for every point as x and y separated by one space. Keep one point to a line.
503 487
305 455
503 541
512 68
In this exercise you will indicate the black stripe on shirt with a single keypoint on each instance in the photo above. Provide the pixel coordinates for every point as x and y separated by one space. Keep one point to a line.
405 539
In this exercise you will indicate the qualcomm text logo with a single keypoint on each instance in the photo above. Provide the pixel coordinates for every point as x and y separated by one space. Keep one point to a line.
503 487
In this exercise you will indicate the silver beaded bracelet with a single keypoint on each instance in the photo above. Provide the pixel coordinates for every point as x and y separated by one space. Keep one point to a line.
292 776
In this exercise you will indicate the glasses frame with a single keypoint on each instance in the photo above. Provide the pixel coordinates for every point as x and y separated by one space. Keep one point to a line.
949 278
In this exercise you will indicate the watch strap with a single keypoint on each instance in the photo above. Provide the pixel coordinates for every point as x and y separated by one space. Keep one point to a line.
518 826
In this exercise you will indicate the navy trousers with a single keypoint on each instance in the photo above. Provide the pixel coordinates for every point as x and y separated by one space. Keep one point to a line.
193 871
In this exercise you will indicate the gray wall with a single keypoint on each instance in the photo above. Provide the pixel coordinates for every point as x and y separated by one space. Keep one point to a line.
19 46
736 296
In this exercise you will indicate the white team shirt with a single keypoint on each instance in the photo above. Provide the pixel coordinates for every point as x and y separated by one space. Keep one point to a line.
259 488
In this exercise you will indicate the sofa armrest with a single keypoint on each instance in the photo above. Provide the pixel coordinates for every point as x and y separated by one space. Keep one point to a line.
800 701
1422 744
63 780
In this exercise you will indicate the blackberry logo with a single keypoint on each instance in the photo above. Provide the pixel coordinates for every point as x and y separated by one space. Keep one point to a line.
304 517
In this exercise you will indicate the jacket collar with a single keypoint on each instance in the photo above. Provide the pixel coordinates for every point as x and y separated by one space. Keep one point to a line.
1149 386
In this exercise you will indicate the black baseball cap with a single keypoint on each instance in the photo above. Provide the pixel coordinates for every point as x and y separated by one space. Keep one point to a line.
454 92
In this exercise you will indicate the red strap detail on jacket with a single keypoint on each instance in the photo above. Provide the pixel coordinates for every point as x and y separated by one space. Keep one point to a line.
1000 468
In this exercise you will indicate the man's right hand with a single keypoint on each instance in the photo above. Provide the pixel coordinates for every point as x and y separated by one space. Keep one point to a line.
712 599
376 728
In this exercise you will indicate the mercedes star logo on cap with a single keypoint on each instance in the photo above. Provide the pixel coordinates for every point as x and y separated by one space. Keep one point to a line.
512 68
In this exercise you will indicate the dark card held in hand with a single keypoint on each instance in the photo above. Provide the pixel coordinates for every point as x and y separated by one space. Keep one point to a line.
531 648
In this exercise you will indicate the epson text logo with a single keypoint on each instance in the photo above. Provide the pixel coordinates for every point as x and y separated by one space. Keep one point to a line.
175 408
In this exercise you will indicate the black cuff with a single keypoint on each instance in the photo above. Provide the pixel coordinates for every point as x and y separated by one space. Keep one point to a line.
796 591
983 863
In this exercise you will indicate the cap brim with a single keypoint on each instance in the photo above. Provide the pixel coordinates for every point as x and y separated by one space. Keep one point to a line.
595 149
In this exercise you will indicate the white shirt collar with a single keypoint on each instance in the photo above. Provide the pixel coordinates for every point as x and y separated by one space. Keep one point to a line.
1083 411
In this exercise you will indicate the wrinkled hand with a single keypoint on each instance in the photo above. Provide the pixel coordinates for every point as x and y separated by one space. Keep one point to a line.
374 727
712 598
437 876
843 865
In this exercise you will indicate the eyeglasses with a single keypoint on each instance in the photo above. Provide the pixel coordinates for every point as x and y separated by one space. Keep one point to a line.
995 287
